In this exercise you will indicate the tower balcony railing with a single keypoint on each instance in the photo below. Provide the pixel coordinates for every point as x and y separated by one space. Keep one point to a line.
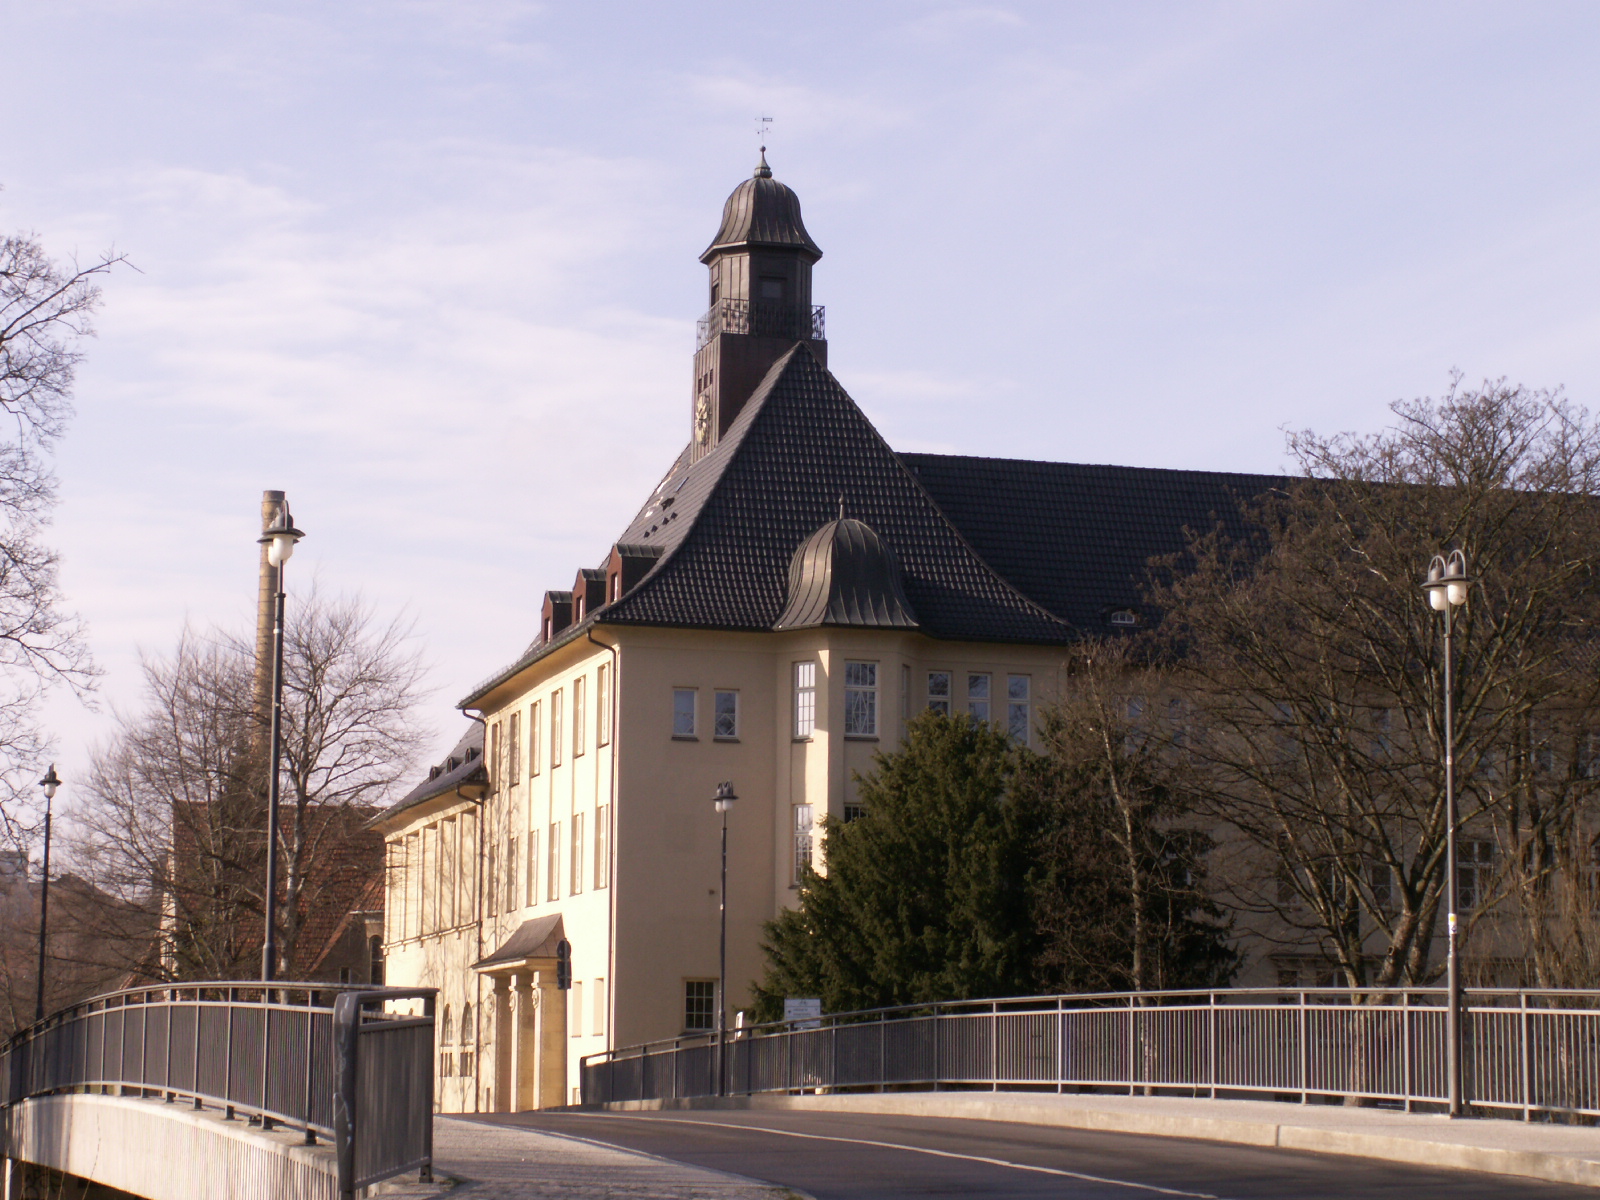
764 318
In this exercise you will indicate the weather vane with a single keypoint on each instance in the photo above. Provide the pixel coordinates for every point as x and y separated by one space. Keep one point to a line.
762 125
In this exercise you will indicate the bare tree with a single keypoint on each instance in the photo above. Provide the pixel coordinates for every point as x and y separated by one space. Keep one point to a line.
45 310
1312 668
175 816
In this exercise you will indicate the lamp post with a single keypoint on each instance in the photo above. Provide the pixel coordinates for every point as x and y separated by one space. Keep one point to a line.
723 801
49 783
280 539
1446 586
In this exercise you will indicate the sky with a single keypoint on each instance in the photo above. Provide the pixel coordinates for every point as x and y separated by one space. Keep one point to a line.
430 265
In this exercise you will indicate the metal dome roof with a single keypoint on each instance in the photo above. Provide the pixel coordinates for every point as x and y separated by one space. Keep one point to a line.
844 574
762 212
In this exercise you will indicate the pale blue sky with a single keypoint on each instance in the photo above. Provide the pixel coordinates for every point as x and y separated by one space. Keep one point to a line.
430 266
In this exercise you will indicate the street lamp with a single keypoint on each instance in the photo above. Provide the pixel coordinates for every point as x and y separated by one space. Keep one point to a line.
49 783
280 539
1446 586
723 800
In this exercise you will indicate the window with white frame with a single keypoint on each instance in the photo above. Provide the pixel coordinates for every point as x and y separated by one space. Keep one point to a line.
555 728
699 1004
575 1009
531 887
1474 860
978 695
683 706
802 842
580 700
725 716
497 774
533 740
552 857
511 874
577 852
492 880
861 699
1018 707
805 699
599 1026
514 749
602 703
939 691
602 846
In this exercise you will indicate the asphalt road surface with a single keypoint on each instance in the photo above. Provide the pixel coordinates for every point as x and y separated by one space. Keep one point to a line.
837 1156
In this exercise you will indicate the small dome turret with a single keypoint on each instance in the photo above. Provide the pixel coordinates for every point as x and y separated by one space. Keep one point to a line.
762 212
844 574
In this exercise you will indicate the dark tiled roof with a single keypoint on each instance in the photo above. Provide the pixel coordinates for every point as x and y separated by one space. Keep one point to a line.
1077 538
463 766
797 450
762 212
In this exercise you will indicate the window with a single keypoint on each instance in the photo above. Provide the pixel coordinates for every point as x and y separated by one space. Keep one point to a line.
531 885
511 874
978 696
533 740
1018 723
854 810
1473 859
939 691
1123 616
450 855
1381 880
602 846
683 712
802 842
699 1004
514 749
805 699
905 694
552 870
579 713
467 880
575 1009
375 961
599 1026
496 767
447 1065
577 853
860 699
469 1040
602 700
725 716
772 289
555 728
493 879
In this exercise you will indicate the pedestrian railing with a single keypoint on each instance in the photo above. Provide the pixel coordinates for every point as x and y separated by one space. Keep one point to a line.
1524 1051
350 1065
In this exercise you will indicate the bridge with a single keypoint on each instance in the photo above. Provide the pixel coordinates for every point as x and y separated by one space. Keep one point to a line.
297 1091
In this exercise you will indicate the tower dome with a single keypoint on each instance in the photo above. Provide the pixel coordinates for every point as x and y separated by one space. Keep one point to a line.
844 574
762 212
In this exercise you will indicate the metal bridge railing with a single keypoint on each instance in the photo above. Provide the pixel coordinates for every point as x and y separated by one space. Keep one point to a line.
352 1065
1526 1051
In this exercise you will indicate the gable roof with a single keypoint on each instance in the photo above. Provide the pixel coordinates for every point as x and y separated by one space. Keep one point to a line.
798 450
1078 538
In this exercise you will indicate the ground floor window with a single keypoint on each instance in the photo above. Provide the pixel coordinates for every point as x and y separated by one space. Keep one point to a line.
699 1004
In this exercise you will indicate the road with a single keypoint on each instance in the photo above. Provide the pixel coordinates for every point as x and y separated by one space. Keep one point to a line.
856 1156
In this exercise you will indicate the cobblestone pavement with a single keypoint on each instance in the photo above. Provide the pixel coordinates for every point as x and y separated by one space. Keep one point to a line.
501 1162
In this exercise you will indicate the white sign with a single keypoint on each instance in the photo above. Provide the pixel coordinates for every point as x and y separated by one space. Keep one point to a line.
803 1014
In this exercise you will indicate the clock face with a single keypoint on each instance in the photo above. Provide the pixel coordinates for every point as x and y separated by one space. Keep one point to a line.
702 418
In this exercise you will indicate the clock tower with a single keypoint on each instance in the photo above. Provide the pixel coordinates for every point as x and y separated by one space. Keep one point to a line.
760 266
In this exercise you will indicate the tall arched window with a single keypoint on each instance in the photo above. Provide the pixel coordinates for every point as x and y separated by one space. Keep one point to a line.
375 961
446 1029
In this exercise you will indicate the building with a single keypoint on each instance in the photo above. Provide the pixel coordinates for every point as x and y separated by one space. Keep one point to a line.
787 597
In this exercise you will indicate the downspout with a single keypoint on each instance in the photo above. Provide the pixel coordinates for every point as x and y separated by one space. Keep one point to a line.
611 843
477 854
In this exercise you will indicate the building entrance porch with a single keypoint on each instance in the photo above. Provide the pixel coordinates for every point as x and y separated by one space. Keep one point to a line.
528 1019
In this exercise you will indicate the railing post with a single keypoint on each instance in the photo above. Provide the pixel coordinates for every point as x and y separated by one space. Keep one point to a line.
994 1046
883 1050
266 1055
1522 1037
194 1067
311 1058
1305 1051
227 1061
346 1029
1133 1061
167 1073
1211 1042
1406 1081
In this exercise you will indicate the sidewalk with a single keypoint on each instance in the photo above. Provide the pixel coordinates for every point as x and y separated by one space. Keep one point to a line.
1562 1153
476 1161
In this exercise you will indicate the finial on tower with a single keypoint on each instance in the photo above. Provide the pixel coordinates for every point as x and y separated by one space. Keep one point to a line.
763 171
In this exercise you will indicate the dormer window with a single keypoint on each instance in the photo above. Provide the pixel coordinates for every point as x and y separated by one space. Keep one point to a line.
547 629
772 289
578 608
614 587
1123 616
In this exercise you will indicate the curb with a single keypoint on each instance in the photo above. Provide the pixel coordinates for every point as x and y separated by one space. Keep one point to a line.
1580 1169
